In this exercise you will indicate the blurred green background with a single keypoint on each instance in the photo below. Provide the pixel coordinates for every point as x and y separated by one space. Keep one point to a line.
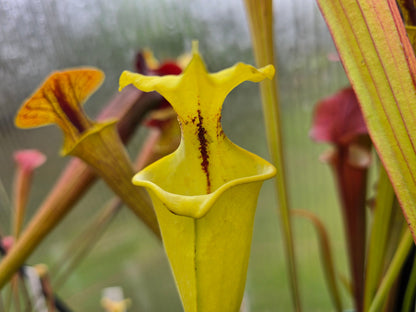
39 36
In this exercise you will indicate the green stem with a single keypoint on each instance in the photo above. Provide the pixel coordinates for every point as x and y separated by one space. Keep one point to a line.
393 271
379 236
260 15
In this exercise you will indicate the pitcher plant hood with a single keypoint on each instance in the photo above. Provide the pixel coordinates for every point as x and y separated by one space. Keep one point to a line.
59 101
205 193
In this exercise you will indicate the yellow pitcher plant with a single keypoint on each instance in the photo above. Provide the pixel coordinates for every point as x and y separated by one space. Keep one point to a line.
59 100
205 193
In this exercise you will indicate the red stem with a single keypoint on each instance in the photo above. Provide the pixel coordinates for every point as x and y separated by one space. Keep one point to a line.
352 183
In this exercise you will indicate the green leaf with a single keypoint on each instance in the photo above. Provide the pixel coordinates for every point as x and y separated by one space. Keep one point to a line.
379 61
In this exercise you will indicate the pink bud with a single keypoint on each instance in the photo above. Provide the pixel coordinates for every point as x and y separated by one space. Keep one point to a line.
7 242
29 159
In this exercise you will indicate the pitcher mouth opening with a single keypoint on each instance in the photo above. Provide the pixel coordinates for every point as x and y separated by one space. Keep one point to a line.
198 204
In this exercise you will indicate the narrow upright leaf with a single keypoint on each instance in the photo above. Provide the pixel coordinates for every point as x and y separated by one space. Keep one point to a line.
260 21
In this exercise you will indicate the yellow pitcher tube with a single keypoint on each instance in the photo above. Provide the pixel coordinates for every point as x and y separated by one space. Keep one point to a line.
205 193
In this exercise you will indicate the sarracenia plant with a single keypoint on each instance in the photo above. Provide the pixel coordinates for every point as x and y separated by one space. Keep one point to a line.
205 193
375 267
59 100
338 120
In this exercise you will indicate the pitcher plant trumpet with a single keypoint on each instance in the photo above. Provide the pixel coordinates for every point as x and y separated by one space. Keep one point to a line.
204 193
